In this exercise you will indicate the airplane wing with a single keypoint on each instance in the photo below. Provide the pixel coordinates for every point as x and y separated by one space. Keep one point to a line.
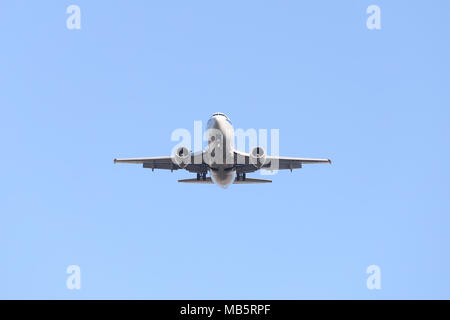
242 163
165 163
291 163
152 162
274 163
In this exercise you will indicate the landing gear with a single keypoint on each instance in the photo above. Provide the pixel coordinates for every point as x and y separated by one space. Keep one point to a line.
240 176
201 176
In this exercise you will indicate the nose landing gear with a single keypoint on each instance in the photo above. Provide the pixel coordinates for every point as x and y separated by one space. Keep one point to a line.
201 176
240 176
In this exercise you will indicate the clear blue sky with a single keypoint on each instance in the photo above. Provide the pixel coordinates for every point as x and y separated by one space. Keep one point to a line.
376 102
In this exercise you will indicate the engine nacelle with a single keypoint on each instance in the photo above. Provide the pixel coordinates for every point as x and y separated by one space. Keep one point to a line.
258 157
182 157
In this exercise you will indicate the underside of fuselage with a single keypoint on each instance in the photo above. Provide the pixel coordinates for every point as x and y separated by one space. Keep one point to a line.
222 176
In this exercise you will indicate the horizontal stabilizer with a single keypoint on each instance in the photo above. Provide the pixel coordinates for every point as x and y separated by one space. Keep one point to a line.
250 180
208 181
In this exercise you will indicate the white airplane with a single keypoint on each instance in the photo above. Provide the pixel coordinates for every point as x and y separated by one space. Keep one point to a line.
226 164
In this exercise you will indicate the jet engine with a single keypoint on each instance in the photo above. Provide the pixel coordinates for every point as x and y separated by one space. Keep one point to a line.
182 157
258 157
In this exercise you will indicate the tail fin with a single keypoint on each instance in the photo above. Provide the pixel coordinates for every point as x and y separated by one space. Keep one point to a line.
250 180
208 181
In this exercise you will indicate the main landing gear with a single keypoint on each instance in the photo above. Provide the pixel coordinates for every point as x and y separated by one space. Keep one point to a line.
201 176
240 176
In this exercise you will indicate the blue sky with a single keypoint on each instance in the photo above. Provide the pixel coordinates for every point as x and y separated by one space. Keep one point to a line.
376 102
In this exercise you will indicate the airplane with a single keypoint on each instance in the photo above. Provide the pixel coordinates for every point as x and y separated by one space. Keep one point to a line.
225 164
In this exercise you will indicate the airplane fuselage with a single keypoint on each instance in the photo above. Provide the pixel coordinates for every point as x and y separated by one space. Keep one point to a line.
221 146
